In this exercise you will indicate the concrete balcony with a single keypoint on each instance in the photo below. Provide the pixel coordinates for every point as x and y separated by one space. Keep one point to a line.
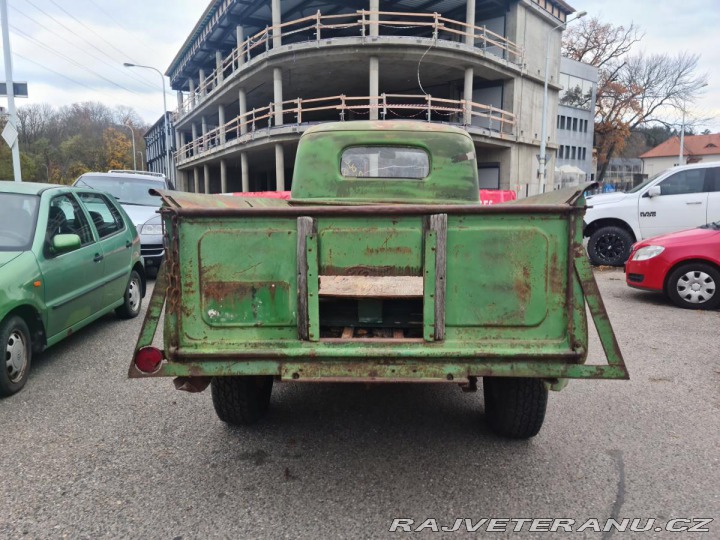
360 29
291 118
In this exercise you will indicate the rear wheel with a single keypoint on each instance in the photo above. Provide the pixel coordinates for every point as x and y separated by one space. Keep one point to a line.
16 355
241 400
609 246
515 407
694 286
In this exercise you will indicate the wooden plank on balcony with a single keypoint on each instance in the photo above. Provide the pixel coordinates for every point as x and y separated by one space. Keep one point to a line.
372 286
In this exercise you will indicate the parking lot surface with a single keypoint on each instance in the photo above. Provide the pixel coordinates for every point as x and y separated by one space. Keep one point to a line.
87 453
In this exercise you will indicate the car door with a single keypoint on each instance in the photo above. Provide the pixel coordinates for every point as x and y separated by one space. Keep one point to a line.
712 179
682 204
73 280
115 242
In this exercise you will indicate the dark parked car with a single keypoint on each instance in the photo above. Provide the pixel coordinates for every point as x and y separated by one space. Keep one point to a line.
67 257
130 188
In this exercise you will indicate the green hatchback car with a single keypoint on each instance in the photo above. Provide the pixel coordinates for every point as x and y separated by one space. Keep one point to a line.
67 257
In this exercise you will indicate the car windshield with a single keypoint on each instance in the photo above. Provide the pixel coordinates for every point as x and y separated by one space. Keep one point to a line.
125 190
18 215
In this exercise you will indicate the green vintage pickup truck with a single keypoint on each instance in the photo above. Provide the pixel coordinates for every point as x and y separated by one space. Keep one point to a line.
382 267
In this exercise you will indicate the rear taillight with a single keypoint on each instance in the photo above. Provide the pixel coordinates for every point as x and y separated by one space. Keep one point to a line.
148 359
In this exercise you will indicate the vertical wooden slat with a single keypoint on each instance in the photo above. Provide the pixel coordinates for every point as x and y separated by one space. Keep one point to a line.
304 229
438 224
429 286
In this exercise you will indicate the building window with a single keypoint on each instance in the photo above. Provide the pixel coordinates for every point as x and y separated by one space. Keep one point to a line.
575 124
561 152
562 122
574 155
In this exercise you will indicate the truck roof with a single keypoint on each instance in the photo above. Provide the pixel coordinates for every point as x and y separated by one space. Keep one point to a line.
387 126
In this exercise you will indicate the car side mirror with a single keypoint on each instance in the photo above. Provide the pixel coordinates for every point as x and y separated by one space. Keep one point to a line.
654 191
63 243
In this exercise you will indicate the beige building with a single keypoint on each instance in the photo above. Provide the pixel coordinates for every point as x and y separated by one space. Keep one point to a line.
254 75
697 149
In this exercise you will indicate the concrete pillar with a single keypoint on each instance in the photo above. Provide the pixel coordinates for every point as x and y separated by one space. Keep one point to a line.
179 143
206 177
467 96
201 77
240 40
223 176
191 84
374 17
194 138
242 101
244 172
276 21
279 168
221 122
374 87
196 180
204 129
181 181
180 100
219 66
470 20
278 95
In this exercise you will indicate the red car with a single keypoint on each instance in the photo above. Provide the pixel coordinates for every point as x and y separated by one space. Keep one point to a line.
684 265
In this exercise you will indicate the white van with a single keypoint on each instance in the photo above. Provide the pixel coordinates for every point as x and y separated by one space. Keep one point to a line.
676 199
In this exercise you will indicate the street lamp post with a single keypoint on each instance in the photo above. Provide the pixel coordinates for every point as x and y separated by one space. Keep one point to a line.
543 128
165 114
132 138
681 152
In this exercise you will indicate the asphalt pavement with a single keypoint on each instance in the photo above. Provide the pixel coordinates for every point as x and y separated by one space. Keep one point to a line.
87 453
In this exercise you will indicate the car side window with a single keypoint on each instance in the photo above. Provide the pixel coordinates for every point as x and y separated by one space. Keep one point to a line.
104 214
712 179
684 182
66 217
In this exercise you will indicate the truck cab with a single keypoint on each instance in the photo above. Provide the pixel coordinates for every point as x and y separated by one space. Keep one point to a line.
675 199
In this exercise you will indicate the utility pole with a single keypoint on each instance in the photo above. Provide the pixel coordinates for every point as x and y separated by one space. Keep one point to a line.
10 133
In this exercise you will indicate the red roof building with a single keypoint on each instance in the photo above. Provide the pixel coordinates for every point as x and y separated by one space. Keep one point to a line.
697 148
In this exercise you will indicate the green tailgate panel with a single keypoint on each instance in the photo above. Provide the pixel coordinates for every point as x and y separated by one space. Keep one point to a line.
245 271
506 278
377 246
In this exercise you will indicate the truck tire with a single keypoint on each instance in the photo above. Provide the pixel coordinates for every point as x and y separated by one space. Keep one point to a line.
241 400
515 407
694 286
609 246
132 298
16 355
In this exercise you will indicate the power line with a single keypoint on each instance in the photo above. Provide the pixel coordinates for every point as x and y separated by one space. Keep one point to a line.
68 59
123 54
139 80
113 98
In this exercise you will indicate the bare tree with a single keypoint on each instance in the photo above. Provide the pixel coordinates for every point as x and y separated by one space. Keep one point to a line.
633 90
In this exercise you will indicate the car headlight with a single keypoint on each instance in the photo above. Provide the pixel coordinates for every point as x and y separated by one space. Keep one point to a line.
648 252
152 226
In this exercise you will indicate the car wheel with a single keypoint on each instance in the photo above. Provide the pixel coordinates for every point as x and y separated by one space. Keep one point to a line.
241 400
515 407
17 354
609 246
694 286
133 297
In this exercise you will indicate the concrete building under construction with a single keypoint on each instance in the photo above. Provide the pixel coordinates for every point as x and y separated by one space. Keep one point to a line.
254 74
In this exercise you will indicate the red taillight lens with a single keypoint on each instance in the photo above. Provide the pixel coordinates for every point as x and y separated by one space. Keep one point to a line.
148 359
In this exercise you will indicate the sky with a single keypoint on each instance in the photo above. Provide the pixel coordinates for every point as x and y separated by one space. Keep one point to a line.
73 50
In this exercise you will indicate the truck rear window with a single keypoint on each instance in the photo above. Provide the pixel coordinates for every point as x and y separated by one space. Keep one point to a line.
384 162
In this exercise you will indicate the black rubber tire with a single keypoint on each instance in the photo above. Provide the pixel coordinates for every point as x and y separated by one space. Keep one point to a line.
515 407
132 304
241 400
609 246
11 329
671 287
